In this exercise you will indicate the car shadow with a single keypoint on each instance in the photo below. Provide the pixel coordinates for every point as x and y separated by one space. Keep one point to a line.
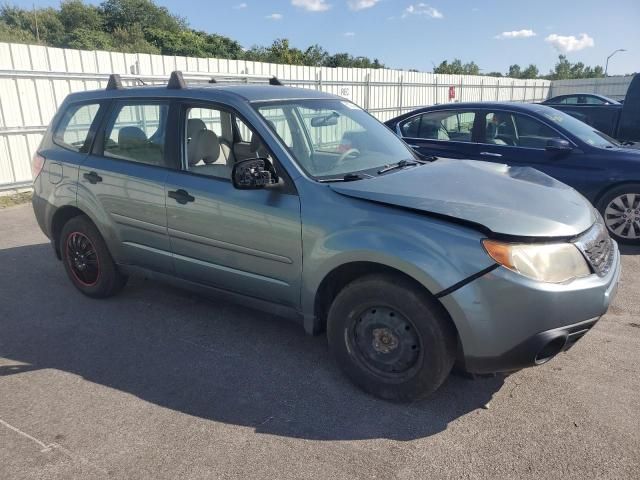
629 249
203 357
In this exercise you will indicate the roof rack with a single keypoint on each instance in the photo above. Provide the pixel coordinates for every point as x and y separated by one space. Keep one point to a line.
178 80
115 82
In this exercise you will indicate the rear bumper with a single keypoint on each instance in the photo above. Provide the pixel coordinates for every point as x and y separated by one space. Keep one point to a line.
507 322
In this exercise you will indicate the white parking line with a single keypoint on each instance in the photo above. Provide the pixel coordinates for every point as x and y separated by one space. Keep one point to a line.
44 448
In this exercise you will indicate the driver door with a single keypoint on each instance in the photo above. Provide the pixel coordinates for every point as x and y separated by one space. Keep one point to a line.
520 140
244 241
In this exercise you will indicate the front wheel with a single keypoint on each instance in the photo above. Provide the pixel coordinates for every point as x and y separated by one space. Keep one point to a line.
391 338
87 260
620 208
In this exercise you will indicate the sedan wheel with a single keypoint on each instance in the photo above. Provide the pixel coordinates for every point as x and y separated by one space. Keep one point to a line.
622 216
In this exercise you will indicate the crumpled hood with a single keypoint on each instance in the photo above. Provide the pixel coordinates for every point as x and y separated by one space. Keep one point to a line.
518 201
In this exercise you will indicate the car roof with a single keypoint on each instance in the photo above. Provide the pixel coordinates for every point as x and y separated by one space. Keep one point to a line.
249 93
511 106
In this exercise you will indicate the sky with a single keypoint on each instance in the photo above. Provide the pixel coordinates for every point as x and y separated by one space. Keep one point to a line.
418 34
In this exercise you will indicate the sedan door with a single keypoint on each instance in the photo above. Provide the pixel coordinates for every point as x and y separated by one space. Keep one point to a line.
243 241
519 139
440 133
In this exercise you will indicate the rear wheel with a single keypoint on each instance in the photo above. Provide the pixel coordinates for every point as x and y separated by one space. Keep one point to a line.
391 338
620 208
87 260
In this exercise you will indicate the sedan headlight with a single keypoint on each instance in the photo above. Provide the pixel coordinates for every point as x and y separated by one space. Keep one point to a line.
546 262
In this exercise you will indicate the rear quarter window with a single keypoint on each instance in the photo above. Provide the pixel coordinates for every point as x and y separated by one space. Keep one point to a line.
72 132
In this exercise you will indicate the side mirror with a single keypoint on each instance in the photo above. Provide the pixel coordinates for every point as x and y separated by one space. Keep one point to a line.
253 174
558 145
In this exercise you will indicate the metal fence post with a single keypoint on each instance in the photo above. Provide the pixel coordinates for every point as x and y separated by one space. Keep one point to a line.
400 95
367 90
498 89
512 86
482 89
524 95
435 84
460 99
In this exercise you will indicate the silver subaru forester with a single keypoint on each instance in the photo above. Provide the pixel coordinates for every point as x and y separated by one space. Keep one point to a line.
300 203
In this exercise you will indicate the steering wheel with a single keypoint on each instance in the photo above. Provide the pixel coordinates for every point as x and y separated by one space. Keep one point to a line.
352 152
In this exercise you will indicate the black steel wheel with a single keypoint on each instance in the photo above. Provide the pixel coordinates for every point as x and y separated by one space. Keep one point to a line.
391 338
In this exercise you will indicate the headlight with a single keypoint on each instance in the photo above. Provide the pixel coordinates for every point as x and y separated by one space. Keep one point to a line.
546 262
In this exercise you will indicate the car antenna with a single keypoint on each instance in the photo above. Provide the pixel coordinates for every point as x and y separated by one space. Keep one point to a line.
114 83
141 81
176 81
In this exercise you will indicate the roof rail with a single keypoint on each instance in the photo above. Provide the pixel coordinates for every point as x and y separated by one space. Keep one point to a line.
176 81
114 83
274 81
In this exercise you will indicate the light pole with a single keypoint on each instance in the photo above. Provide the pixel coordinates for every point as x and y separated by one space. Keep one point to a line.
612 54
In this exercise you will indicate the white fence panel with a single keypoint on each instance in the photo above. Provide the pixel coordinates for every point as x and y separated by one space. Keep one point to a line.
613 87
34 80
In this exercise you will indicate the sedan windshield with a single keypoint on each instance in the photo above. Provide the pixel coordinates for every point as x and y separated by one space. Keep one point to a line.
583 131
333 138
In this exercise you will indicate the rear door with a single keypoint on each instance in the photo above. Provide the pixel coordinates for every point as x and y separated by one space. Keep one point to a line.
443 133
244 241
122 183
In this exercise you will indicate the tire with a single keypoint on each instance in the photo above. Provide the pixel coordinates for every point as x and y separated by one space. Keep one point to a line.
620 208
391 338
82 245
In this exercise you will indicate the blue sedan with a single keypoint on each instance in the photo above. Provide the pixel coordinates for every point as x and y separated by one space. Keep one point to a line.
551 141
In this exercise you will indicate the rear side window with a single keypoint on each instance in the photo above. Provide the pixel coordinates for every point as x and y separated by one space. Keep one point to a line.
72 132
136 133
456 126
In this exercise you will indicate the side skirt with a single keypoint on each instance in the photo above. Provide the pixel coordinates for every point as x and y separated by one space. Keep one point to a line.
217 293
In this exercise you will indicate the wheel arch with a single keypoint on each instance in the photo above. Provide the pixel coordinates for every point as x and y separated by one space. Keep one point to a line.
338 278
59 219
602 194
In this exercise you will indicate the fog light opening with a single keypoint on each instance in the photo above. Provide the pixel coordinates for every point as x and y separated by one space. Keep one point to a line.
550 350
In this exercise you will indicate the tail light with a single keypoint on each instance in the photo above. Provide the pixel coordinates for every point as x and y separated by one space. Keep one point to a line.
37 163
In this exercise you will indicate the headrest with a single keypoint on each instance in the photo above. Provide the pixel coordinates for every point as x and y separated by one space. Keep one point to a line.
129 137
255 144
205 146
194 125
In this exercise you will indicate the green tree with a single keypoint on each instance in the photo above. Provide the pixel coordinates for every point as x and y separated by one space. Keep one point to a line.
514 71
75 14
123 14
530 72
456 67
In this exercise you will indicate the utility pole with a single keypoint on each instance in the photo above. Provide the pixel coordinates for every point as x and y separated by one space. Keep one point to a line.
612 54
35 14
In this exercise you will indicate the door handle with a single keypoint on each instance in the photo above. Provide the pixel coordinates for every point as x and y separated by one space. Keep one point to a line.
490 154
92 177
413 146
181 196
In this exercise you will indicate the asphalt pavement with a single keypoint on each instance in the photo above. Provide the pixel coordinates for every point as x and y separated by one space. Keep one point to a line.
159 383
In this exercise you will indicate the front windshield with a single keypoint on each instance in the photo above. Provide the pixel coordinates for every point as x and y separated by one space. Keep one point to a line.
332 138
583 131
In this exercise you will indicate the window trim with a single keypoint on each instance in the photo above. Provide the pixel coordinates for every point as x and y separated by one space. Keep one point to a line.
94 128
109 118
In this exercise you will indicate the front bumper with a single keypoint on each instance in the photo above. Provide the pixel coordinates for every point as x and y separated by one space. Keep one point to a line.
507 322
